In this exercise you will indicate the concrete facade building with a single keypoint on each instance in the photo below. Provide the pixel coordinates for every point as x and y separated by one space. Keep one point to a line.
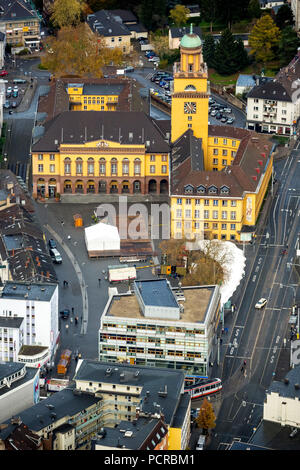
19 388
29 319
151 326
112 405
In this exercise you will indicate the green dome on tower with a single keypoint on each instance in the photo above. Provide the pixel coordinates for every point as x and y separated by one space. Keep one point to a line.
190 40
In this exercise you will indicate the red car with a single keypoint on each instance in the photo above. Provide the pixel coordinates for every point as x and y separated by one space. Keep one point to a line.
3 73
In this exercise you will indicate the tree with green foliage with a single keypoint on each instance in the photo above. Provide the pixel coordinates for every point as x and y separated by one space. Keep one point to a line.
179 15
67 12
152 13
208 50
232 10
230 55
288 45
254 10
208 11
284 17
264 38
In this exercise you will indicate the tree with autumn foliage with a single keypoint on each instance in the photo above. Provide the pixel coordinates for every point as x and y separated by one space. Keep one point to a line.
206 417
67 12
174 251
264 39
179 15
78 51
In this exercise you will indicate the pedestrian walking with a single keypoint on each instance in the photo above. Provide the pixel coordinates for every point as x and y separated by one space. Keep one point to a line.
242 369
71 320
99 281
245 363
221 341
76 320
72 310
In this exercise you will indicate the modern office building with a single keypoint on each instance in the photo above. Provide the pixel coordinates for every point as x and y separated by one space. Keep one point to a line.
158 326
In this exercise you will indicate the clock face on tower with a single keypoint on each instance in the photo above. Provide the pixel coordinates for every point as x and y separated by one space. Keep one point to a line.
189 108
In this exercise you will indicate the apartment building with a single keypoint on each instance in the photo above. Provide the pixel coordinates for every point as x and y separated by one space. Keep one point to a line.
109 404
19 388
157 326
20 22
28 322
274 106
114 33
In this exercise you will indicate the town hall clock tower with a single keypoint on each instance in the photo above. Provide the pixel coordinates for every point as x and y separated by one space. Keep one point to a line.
190 92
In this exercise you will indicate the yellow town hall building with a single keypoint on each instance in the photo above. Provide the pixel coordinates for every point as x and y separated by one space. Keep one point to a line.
216 176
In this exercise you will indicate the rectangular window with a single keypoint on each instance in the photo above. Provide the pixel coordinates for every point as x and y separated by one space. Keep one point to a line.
224 153
232 226
40 168
152 168
215 151
197 214
40 156
206 202
152 158
52 156
233 215
215 161
164 158
224 203
215 214
206 214
178 224
178 213
215 202
179 201
216 140
188 202
224 162
224 141
224 214
188 213
164 169
52 168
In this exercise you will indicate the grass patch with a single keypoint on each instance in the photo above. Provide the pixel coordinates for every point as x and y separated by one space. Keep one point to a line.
42 67
280 139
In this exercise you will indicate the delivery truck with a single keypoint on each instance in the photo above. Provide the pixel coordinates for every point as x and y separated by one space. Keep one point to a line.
124 273
64 362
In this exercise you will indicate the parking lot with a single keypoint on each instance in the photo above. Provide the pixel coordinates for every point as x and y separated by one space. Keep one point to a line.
15 90
219 112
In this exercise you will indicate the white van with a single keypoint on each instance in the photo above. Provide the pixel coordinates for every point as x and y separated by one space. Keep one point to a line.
55 255
201 442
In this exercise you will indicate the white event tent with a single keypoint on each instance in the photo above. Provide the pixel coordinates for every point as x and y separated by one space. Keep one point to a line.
102 237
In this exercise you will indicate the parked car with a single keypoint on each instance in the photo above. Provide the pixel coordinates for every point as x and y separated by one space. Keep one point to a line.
227 110
218 116
213 113
6 105
14 104
129 69
261 303
224 119
3 73
55 256
15 94
19 80
52 243
9 89
65 313
201 442
230 121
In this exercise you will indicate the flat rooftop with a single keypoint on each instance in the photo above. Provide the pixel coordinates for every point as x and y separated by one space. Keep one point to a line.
30 291
196 302
156 293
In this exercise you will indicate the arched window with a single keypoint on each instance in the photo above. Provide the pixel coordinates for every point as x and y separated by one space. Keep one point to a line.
79 166
190 88
102 166
91 166
67 164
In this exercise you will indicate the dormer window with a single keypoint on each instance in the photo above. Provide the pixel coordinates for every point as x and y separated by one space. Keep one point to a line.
201 189
224 190
213 190
189 188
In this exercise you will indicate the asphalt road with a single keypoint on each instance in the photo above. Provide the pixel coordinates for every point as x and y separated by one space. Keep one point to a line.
256 336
